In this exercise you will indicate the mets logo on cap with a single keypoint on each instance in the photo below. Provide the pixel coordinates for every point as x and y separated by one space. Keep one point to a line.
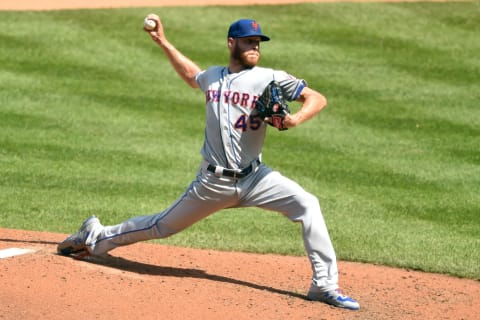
246 28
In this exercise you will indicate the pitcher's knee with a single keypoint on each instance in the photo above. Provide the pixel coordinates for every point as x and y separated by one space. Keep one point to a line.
305 206
310 202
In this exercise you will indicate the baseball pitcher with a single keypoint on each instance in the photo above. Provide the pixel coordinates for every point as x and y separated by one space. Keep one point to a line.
242 101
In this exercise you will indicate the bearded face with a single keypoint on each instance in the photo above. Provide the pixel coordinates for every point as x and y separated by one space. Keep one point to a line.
246 51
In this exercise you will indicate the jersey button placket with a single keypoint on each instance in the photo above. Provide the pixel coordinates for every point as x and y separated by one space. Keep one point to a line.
225 129
226 125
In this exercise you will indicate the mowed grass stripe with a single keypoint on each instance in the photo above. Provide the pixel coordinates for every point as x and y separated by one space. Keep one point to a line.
94 120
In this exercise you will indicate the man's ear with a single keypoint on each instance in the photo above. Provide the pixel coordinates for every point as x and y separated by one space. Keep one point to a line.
230 42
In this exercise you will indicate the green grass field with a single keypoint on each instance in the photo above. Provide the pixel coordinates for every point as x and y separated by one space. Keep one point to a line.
93 119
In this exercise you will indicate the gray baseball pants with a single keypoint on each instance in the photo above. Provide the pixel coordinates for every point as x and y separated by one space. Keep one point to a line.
263 188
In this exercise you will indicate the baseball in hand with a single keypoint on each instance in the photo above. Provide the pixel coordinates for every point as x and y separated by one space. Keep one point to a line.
149 24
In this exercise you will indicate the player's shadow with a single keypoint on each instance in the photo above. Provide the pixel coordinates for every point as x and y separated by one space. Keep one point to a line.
144 268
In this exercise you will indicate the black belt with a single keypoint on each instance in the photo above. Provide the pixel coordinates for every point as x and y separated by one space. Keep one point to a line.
237 174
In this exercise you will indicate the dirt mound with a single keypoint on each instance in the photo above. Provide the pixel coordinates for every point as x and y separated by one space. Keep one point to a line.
149 281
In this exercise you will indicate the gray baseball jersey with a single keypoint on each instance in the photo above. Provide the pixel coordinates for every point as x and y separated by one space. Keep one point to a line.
233 136
233 141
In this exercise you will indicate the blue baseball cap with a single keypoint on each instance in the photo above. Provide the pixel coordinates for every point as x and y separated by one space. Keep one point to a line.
246 28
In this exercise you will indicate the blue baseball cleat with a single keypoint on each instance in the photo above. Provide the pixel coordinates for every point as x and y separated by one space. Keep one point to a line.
333 297
77 241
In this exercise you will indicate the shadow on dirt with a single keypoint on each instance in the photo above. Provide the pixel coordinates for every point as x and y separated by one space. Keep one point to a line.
149 269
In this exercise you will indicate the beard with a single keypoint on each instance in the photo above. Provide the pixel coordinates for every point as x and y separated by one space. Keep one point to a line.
243 58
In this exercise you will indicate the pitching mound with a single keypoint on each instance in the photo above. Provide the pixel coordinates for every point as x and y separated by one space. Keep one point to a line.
149 281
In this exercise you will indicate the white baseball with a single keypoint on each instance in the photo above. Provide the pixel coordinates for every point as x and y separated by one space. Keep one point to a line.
149 24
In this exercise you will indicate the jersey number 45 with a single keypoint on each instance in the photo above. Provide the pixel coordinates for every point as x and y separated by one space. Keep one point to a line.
245 121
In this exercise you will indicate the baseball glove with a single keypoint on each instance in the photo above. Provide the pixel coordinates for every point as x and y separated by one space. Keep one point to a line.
272 105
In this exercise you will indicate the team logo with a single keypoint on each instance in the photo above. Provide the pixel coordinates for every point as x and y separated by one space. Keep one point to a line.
277 121
255 25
